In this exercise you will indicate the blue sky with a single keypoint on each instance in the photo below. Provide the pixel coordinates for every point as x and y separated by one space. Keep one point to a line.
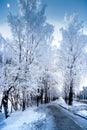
4 11
55 10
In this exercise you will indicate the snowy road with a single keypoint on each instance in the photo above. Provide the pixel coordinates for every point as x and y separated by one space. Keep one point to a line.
45 117
62 120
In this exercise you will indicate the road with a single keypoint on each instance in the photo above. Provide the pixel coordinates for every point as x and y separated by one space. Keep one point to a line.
62 120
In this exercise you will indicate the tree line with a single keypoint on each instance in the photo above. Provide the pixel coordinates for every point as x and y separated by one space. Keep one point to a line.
31 67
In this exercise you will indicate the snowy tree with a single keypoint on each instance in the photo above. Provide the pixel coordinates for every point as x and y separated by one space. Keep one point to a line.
30 34
48 86
71 55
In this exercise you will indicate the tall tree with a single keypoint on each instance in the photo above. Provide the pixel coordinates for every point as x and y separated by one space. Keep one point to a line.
71 54
30 34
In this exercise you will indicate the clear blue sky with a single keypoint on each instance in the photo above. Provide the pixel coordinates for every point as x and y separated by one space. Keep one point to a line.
4 10
55 12
55 8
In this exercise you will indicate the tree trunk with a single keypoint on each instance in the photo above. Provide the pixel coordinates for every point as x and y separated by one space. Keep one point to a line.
24 102
37 101
41 96
4 102
23 107
71 96
66 99
46 98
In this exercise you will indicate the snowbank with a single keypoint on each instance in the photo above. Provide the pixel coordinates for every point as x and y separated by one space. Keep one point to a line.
30 119
77 107
24 120
82 113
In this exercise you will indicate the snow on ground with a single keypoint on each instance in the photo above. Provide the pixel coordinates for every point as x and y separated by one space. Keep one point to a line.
41 119
82 113
77 107
19 120
30 119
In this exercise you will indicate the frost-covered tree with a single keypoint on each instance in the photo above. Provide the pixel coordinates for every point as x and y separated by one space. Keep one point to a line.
71 55
30 34
48 86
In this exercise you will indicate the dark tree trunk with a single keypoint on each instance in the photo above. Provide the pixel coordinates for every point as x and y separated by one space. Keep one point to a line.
71 96
41 96
38 97
37 101
23 107
46 98
5 101
24 101
66 99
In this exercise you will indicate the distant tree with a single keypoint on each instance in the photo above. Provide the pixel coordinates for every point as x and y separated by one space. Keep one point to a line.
71 55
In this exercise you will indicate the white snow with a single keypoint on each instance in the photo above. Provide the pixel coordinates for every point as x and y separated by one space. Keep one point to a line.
41 119
31 119
77 107
82 113
19 119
